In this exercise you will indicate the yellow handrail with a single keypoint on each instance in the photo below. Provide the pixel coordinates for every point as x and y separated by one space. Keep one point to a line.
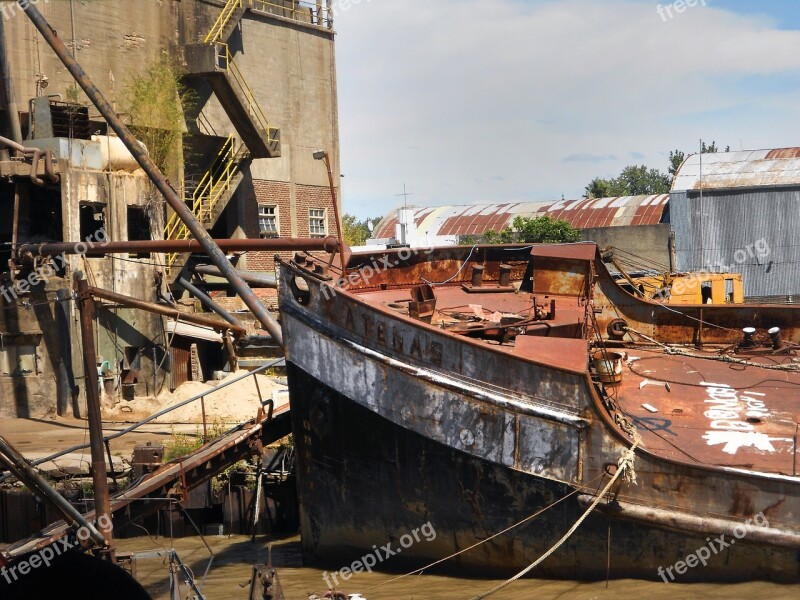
222 21
225 61
318 13
211 189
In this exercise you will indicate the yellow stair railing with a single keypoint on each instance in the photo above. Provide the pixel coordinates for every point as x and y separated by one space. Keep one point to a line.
316 13
209 192
225 62
222 21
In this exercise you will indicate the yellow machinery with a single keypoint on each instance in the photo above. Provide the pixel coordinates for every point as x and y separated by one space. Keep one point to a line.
679 288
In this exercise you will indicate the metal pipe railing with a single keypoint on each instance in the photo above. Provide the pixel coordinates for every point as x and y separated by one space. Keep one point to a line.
327 244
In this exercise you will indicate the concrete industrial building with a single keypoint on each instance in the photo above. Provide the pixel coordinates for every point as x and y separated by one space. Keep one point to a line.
263 83
740 211
637 224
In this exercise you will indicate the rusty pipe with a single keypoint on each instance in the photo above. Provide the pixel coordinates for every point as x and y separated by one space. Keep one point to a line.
266 280
8 88
102 499
88 248
35 154
167 311
216 255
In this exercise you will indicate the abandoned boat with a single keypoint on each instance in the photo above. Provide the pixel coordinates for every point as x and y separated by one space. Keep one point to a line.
470 388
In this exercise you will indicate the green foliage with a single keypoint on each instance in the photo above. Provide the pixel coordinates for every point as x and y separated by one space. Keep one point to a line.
181 444
467 240
355 232
506 236
536 230
155 101
633 181
545 230
676 157
640 181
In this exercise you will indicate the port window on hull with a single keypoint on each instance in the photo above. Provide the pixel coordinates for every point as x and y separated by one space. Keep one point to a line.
268 226
316 222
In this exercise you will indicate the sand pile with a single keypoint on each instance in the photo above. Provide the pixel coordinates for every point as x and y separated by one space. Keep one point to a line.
235 403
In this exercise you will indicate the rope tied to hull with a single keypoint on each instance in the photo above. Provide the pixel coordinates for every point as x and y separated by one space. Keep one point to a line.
624 467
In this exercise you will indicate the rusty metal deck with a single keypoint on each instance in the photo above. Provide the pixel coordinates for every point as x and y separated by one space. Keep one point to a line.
704 411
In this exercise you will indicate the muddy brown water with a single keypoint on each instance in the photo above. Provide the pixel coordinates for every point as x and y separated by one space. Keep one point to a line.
234 557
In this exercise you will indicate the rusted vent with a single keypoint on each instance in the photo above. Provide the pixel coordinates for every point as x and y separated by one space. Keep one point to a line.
754 420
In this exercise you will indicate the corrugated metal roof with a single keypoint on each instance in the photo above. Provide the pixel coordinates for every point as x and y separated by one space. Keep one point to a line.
475 219
751 168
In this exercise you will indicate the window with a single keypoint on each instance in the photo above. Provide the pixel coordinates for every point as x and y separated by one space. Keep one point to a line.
316 222
138 227
93 221
19 354
268 221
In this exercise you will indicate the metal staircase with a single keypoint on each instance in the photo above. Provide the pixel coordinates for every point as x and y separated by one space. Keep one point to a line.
215 64
211 195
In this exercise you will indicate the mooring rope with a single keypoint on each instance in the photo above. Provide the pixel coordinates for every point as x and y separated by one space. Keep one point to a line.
719 358
625 464
583 488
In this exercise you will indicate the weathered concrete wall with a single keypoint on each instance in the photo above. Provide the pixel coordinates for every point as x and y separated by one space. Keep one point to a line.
650 242
112 40
120 331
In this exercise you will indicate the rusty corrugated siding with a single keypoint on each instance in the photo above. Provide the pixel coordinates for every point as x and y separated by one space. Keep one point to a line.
475 219
181 366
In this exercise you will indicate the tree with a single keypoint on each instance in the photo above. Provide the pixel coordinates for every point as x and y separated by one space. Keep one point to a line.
535 230
506 236
676 157
355 232
545 230
632 181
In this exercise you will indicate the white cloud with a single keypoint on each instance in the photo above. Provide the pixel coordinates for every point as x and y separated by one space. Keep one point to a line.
482 100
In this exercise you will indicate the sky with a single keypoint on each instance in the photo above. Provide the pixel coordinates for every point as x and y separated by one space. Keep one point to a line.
469 101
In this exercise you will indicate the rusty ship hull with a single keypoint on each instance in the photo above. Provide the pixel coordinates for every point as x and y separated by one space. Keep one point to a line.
400 421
